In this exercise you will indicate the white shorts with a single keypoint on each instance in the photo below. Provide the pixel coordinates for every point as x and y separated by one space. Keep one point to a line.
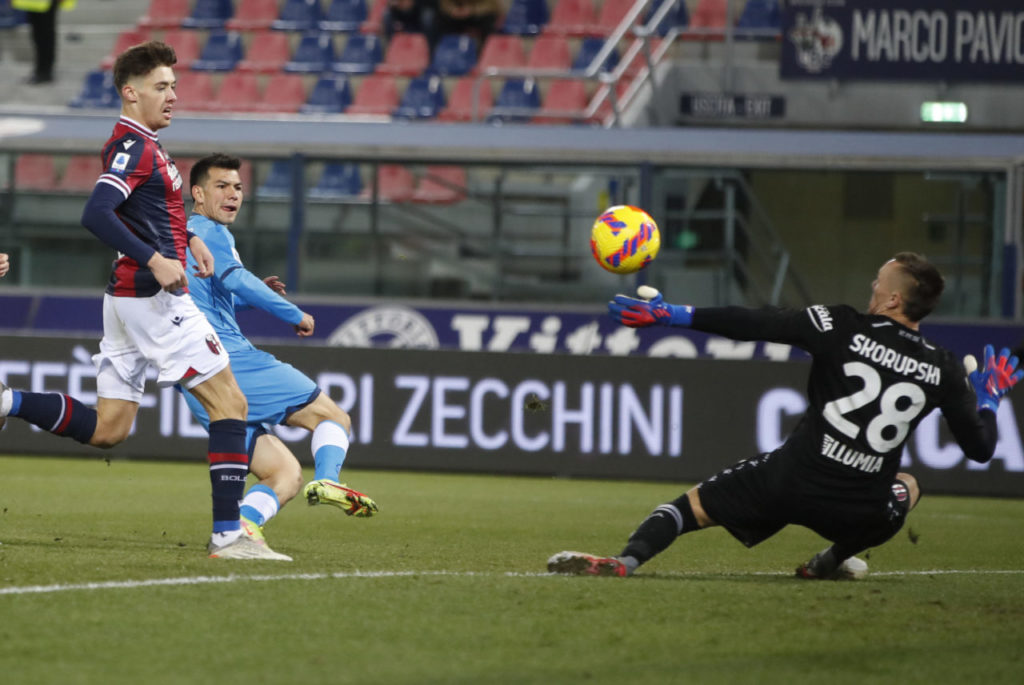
165 331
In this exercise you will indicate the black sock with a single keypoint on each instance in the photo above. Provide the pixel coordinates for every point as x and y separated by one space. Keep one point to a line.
55 412
660 529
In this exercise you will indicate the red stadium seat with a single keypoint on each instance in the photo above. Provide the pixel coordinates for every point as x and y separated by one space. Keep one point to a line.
165 14
35 172
267 54
125 40
239 92
395 184
708 20
502 52
408 55
565 98
612 13
378 94
284 93
186 46
252 15
460 101
375 18
572 18
550 52
195 92
441 185
80 174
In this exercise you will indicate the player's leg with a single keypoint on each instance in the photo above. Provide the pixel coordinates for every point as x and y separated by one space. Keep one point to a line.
838 561
280 479
54 412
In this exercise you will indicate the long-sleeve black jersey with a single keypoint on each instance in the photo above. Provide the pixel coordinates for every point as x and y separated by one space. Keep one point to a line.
872 380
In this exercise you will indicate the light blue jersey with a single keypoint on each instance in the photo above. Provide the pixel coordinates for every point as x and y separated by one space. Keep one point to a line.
273 389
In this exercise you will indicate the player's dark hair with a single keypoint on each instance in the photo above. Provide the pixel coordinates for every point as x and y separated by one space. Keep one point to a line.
924 285
141 59
218 160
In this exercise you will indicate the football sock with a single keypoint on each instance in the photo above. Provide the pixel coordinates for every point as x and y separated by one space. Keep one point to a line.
659 530
54 412
229 466
260 504
330 444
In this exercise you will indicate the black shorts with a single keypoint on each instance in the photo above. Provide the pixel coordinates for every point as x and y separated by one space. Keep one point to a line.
755 499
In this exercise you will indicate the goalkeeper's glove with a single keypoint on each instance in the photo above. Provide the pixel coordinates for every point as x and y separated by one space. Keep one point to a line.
642 312
995 378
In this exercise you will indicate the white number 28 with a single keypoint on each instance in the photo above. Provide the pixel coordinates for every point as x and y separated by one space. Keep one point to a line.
888 412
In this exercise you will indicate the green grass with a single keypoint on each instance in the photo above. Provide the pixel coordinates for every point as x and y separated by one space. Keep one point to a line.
706 611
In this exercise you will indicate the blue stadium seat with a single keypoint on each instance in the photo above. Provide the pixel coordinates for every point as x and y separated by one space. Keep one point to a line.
313 55
9 18
588 51
278 183
98 91
760 15
344 15
209 14
360 55
526 17
298 15
520 94
338 180
423 99
677 17
330 95
454 56
222 52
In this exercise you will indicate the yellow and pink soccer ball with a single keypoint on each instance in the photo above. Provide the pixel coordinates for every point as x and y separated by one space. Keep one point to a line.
624 239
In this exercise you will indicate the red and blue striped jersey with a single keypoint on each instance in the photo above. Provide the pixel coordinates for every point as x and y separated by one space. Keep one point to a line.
136 165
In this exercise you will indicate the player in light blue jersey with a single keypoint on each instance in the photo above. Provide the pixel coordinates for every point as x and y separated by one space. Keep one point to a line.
277 392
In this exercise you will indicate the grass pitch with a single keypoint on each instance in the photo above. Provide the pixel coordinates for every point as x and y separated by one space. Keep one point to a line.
104 579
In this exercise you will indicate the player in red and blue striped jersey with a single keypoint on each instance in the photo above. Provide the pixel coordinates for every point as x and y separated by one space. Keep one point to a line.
148 317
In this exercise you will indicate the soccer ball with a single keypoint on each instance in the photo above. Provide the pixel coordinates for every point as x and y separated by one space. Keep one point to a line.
624 239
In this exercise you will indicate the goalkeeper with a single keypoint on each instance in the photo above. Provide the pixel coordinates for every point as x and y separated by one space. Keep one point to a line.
872 379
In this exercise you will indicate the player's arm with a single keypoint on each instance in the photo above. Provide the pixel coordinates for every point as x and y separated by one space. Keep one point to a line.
204 266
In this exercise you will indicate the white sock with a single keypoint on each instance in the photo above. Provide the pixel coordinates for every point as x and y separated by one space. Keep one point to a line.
225 538
6 400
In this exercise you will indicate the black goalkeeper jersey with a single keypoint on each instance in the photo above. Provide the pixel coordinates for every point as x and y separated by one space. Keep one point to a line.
872 381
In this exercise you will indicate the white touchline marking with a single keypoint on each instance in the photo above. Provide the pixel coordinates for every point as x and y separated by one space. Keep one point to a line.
236 578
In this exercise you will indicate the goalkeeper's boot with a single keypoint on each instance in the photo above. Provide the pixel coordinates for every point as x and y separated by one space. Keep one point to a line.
580 564
818 569
352 502
249 545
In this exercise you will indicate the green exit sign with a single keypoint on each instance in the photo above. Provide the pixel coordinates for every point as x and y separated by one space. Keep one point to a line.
944 112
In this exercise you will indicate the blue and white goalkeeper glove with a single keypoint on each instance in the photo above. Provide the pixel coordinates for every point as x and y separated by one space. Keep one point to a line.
995 378
648 310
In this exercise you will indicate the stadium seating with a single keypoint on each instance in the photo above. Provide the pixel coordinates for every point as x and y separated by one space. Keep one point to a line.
378 94
186 46
708 19
565 98
441 185
461 100
195 92
298 15
239 92
611 14
760 16
395 183
208 14
80 174
360 55
516 94
268 52
423 99
222 52
589 49
375 19
344 15
408 54
284 93
572 18
98 91
313 55
502 52
278 183
526 17
165 14
454 56
550 52
677 17
125 40
10 17
253 15
35 173
338 180
330 95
